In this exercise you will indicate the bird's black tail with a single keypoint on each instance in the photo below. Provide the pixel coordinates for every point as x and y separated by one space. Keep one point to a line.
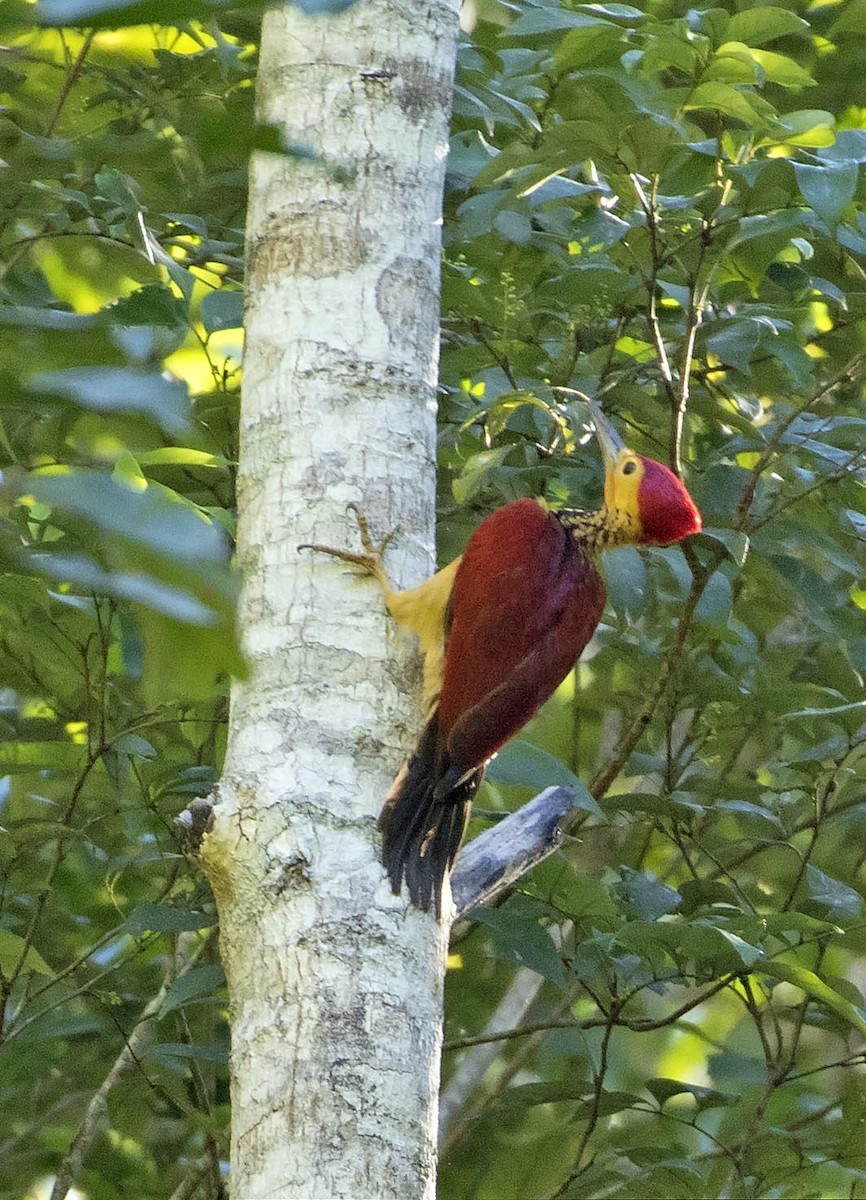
424 820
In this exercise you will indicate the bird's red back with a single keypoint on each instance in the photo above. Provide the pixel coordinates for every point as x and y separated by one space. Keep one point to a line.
526 601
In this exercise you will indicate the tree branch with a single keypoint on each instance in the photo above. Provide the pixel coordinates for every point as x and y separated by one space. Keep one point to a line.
493 861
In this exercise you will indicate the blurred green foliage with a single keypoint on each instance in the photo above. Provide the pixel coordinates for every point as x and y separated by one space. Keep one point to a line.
121 229
659 206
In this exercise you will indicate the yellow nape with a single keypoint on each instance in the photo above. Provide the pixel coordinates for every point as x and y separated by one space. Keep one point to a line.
421 610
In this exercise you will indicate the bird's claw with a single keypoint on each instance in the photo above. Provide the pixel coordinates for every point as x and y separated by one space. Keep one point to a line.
370 561
374 549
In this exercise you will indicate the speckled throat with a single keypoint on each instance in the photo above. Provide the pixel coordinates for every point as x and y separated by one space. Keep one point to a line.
601 529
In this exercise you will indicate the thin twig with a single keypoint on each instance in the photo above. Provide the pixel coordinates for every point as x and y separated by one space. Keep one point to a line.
42 899
95 1120
638 1026
69 83
595 1111
847 374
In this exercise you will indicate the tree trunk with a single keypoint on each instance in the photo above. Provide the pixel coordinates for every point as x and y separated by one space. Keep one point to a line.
335 987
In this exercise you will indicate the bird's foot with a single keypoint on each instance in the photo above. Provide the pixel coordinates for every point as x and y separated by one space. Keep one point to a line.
368 562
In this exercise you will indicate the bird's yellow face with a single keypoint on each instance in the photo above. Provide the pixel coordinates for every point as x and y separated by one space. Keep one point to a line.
623 472
622 480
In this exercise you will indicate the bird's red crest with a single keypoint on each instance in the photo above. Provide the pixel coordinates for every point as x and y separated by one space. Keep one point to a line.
667 511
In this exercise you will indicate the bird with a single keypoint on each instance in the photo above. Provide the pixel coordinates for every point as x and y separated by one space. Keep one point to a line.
499 628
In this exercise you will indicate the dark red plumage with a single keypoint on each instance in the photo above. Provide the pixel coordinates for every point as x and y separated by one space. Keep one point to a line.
519 621
525 602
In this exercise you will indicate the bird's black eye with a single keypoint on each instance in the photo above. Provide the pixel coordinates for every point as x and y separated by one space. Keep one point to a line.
630 467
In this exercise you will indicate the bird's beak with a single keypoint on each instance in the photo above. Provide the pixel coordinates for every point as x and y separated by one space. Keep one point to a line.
608 438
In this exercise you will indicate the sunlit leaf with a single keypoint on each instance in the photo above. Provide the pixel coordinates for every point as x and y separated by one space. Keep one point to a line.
756 26
818 990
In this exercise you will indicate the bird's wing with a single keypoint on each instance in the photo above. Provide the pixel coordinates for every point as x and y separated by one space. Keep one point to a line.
525 602
423 611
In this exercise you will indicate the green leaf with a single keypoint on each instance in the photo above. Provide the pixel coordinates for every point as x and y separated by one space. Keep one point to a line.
173 1054
835 711
626 578
721 97
474 474
131 743
607 1105
121 389
797 925
664 1089
749 810
742 1070
154 304
522 764
849 146
115 185
748 953
735 344
704 893
815 987
147 517
12 947
165 598
49 318
181 456
200 981
764 23
732 67
163 918
776 68
716 602
513 226
735 542
839 899
113 13
827 189
178 666
649 898
528 1095
616 12
550 19
524 940
808 127
18 756
222 309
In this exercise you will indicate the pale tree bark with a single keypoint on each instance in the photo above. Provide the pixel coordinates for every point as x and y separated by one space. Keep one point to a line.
335 986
